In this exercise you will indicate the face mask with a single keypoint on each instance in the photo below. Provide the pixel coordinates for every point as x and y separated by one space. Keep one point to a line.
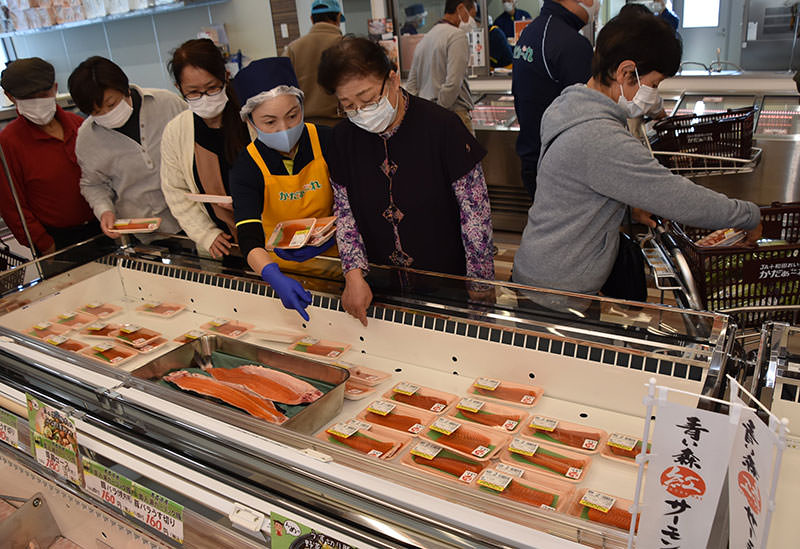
375 120
282 141
116 117
40 110
468 25
209 106
508 7
592 10
646 101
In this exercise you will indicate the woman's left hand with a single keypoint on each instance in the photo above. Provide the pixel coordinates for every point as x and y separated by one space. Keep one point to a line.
221 246
357 295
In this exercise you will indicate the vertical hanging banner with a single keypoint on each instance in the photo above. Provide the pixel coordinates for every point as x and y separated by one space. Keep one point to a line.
477 48
685 475
749 478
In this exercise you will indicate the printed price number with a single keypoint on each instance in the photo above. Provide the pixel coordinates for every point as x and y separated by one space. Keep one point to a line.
344 430
360 425
495 480
406 388
598 500
487 383
544 423
426 450
624 442
158 520
574 473
510 425
528 399
509 470
589 444
130 328
381 407
470 405
523 447
9 435
445 426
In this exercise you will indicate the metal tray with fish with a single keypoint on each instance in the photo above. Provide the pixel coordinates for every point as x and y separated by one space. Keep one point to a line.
214 355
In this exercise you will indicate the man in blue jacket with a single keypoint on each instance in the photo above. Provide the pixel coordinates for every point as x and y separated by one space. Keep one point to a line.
510 14
549 56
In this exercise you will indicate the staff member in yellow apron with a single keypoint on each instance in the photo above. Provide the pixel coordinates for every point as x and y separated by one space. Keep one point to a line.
281 175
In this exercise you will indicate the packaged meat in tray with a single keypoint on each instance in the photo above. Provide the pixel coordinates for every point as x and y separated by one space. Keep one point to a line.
623 448
63 342
191 335
399 417
546 460
291 234
74 320
135 335
226 327
278 335
603 509
502 418
437 460
46 329
562 433
523 487
101 310
514 393
139 225
468 439
365 376
99 329
158 308
319 347
108 353
353 390
154 345
365 438
420 397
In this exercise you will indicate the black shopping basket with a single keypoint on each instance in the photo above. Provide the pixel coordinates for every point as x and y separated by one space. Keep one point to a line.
734 279
12 274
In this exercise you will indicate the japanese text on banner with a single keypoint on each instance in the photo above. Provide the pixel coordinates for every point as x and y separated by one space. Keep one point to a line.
108 485
8 429
158 512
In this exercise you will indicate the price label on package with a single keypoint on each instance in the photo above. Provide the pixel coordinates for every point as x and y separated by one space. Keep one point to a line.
194 334
598 500
480 451
510 424
487 383
381 407
103 347
42 326
589 444
427 450
96 326
94 305
343 430
574 473
130 328
528 399
158 512
8 429
56 339
406 388
152 304
299 238
217 322
624 442
445 426
360 425
470 405
522 446
68 315
108 485
509 470
494 480
544 423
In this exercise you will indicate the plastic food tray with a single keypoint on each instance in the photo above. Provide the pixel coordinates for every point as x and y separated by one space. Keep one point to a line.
399 440
592 443
515 418
423 418
443 400
477 436
580 461
530 394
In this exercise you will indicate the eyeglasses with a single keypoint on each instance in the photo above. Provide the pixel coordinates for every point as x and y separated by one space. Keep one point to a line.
211 92
369 107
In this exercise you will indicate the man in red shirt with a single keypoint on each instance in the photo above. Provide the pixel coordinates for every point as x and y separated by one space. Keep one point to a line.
39 146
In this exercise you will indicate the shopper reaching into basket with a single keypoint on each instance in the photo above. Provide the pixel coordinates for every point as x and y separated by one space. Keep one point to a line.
591 167
280 176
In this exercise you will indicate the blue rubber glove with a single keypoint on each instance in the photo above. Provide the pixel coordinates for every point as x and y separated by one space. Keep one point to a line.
291 292
306 252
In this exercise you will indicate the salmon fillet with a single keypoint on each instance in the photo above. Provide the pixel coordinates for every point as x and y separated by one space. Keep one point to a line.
464 440
511 394
450 466
269 383
395 421
619 518
574 438
560 465
488 418
627 453
363 443
235 395
531 496
419 401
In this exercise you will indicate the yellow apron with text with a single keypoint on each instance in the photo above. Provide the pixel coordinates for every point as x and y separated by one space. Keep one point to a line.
298 196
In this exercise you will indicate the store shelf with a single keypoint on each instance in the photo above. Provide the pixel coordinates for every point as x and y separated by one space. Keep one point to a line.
175 6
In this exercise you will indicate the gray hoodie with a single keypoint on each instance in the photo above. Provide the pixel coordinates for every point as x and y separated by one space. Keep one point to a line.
590 168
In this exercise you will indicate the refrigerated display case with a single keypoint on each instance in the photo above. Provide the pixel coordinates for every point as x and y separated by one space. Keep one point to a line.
225 473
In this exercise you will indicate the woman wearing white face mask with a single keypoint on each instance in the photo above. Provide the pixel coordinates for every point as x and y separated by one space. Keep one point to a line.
282 175
199 146
407 177
119 145
591 168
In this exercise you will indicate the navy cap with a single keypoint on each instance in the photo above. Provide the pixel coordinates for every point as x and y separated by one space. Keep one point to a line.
326 6
26 77
264 75
415 9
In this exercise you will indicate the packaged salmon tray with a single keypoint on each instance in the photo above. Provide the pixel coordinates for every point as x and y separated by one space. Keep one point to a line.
191 335
46 329
277 335
226 327
420 397
63 342
99 329
108 353
291 234
569 435
135 335
543 459
138 225
74 320
399 417
364 375
514 393
469 440
623 448
101 310
602 508
319 347
353 390
153 345
523 487
365 438
437 460
502 418
158 308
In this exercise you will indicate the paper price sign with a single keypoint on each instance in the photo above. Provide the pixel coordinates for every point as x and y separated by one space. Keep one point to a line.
152 304
487 383
416 429
108 485
343 430
624 442
381 407
360 425
299 237
217 322
68 315
510 425
406 388
59 459
495 480
589 444
427 450
96 326
93 305
527 399
42 326
522 446
158 512
597 500
130 328
509 470
481 451
574 473
8 429
544 423
438 407
470 405
445 426
103 347
194 334
56 339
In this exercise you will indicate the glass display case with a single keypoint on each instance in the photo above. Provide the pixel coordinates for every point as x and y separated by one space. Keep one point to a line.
495 111
779 116
712 104
580 359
